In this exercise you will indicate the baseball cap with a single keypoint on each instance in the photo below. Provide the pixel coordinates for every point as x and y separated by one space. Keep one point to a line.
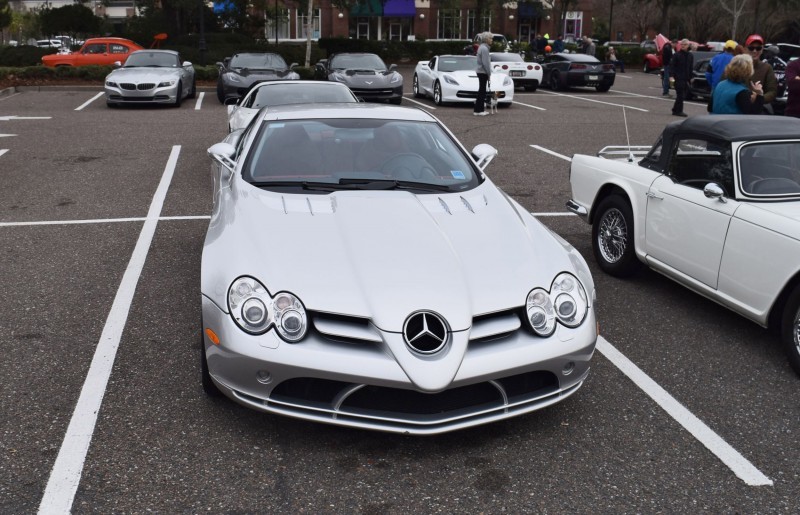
753 38
730 44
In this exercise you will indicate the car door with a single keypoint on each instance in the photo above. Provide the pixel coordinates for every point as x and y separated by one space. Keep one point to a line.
684 228
92 53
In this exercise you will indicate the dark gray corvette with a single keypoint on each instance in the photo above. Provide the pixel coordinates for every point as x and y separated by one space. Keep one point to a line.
365 74
238 73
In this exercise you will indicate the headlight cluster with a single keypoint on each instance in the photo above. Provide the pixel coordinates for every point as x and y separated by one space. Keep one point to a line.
450 80
256 311
233 77
166 83
111 84
396 77
566 303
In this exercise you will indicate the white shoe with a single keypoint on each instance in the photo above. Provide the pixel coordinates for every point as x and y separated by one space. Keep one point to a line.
482 113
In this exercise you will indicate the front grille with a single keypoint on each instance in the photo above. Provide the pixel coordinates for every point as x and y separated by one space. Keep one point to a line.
128 86
372 92
145 86
133 87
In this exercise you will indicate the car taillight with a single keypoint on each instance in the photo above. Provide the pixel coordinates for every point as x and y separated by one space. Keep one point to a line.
530 67
505 67
577 67
608 67
537 67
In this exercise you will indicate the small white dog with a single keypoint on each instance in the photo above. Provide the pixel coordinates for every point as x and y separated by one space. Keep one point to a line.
491 101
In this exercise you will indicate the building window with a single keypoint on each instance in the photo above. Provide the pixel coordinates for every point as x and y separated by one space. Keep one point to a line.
362 28
302 25
282 24
449 26
476 24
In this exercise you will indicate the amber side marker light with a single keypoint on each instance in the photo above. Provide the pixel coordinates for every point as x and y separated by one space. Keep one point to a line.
212 336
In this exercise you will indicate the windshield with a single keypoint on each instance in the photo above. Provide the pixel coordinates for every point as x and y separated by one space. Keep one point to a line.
357 62
258 61
452 64
296 92
506 57
330 154
158 59
770 169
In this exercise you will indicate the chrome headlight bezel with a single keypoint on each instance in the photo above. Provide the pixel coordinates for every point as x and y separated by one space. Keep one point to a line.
566 303
255 311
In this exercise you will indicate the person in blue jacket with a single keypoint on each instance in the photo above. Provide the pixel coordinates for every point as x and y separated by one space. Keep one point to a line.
732 96
718 64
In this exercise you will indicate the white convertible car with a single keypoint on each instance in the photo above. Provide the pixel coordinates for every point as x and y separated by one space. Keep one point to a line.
714 205
452 78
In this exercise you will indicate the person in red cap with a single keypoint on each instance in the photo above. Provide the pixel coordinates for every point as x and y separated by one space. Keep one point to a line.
762 71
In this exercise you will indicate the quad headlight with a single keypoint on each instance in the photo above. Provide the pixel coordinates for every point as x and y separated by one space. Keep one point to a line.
256 311
566 303
166 83
111 84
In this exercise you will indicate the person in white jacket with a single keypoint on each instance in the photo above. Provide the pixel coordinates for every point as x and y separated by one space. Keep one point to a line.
484 71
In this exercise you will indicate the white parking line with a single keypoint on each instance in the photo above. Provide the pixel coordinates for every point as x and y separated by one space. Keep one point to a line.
66 473
80 108
199 101
528 105
3 151
101 220
426 106
595 101
565 158
740 466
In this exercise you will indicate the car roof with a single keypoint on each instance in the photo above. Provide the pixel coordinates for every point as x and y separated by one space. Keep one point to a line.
579 58
154 51
738 127
255 53
355 110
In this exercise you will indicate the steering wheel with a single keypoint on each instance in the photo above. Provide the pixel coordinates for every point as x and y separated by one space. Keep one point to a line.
408 165
774 185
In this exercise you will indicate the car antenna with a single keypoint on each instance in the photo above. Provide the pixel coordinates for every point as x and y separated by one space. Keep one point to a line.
627 136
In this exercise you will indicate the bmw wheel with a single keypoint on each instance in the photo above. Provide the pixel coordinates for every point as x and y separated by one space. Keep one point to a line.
178 97
612 237
193 91
415 87
790 330
437 94
646 67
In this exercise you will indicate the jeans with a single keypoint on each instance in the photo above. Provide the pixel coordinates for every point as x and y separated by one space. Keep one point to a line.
480 102
665 81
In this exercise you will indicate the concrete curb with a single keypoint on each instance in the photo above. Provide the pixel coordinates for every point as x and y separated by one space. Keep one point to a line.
7 91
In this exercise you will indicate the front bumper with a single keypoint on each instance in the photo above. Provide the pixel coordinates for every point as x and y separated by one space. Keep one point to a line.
361 385
378 94
141 94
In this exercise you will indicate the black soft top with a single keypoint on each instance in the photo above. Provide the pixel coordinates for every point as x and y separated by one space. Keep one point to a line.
736 127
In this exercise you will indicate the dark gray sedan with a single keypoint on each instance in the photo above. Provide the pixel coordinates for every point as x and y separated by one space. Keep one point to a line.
365 74
238 73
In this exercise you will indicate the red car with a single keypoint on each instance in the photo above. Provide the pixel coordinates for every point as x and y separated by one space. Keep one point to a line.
103 51
653 62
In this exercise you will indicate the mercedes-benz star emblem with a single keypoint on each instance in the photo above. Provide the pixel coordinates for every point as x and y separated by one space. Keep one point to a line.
425 332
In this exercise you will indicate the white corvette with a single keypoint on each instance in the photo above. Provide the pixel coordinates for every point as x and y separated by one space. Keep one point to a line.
452 78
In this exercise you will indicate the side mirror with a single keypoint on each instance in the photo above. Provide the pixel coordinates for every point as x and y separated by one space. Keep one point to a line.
231 100
223 154
186 64
392 67
117 64
483 155
714 191
291 66
219 64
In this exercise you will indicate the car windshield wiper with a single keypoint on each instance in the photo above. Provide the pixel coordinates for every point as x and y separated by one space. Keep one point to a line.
354 184
305 185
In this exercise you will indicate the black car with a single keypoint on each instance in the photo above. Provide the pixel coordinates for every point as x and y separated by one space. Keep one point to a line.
562 71
365 74
698 83
238 73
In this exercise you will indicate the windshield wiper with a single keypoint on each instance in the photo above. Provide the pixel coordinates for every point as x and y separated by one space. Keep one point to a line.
352 184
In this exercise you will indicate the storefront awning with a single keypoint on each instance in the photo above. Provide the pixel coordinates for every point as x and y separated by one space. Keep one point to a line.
529 10
367 8
399 8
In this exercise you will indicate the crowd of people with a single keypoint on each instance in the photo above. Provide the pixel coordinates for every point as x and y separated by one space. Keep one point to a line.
741 79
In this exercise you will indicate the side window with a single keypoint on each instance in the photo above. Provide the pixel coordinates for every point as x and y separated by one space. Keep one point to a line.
432 64
118 49
95 48
695 162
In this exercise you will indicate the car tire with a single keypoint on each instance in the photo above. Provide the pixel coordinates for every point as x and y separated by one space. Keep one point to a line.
396 101
178 97
790 330
415 87
602 89
220 92
555 85
613 237
437 94
646 67
208 384
193 92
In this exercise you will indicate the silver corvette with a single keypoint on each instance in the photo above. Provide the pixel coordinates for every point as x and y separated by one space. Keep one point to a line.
360 269
151 77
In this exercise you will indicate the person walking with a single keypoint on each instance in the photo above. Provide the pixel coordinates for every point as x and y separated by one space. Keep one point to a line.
793 87
484 71
682 64
733 95
591 49
718 63
666 58
611 57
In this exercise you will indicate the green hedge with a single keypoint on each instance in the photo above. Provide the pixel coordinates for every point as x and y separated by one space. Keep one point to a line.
23 55
87 73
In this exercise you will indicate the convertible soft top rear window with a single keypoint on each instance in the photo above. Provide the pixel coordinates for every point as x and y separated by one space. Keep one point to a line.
339 151
770 169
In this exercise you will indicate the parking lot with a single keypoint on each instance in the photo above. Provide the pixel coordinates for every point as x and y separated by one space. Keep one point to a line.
688 407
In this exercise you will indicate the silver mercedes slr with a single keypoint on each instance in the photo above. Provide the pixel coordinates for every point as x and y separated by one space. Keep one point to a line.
361 269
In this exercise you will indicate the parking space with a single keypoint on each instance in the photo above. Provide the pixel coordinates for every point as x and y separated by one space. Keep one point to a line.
80 189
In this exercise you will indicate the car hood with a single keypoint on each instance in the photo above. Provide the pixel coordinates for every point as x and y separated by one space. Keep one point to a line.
781 217
365 78
384 255
144 74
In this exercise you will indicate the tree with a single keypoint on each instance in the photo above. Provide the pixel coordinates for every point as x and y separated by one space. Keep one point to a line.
735 9
69 19
5 14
